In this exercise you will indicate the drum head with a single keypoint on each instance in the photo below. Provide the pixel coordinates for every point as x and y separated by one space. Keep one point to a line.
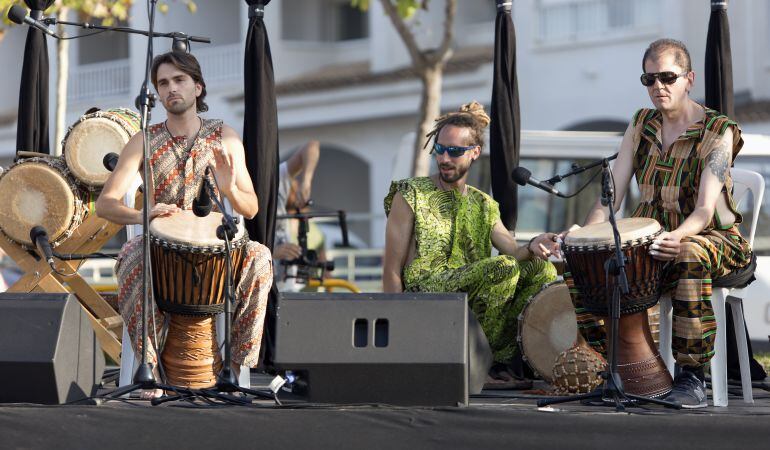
92 138
185 228
547 327
35 193
600 234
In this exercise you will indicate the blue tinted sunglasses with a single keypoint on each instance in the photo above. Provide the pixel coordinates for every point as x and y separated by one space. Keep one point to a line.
454 152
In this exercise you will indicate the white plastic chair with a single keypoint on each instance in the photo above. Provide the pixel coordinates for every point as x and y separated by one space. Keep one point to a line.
744 181
129 362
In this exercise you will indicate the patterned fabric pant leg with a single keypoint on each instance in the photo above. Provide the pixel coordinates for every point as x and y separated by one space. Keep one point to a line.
590 327
701 259
248 319
498 288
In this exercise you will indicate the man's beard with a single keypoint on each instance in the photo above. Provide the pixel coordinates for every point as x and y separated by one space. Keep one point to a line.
460 172
179 108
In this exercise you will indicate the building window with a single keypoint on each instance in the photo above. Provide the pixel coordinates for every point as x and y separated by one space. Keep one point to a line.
476 11
351 23
108 46
568 21
323 21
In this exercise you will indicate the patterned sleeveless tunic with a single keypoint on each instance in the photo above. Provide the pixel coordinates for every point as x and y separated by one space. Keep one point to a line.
454 254
177 175
669 179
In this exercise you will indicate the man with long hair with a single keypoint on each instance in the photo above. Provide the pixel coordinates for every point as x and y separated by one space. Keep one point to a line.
182 148
439 238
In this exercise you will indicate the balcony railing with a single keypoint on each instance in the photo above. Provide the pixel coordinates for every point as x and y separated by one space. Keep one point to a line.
570 21
222 64
99 80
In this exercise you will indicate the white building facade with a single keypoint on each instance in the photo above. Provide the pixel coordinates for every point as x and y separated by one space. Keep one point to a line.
342 75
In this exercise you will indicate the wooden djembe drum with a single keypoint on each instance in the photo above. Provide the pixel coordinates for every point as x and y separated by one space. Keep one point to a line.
189 280
587 250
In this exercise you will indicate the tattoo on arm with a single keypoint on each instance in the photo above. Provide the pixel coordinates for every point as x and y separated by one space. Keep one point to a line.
718 161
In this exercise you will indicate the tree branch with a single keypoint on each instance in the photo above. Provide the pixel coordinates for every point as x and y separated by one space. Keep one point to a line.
418 58
445 50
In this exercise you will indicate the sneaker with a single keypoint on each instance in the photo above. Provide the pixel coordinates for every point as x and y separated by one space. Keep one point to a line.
688 390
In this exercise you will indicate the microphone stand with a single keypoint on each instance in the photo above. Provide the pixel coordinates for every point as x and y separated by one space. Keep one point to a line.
144 378
175 35
576 169
227 382
612 391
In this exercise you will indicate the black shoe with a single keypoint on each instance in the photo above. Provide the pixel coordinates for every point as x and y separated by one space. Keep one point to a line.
689 391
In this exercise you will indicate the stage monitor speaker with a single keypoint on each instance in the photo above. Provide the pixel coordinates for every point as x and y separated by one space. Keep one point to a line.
399 349
48 351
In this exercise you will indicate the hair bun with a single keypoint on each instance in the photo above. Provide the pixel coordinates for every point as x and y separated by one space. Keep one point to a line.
476 110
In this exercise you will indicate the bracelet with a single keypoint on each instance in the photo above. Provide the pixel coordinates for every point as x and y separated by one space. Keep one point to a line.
529 244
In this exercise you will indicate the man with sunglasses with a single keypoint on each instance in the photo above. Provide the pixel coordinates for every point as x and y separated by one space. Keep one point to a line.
439 237
680 154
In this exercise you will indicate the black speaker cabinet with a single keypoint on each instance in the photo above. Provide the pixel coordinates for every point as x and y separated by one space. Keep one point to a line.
48 351
400 349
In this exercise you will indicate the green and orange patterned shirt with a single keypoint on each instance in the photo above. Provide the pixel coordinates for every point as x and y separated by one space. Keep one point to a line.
669 179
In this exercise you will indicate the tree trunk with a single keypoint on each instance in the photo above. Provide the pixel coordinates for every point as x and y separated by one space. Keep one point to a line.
430 108
62 69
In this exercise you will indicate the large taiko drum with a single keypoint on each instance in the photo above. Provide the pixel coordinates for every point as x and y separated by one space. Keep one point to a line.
547 327
94 135
587 250
189 275
39 191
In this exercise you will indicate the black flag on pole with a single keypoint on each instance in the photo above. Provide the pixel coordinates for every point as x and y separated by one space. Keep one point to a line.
504 131
719 96
260 139
32 124
718 72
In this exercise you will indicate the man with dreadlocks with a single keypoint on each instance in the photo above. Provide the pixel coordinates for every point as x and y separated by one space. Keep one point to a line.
439 237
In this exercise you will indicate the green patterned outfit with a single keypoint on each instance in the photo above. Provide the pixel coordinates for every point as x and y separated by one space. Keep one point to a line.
668 181
453 254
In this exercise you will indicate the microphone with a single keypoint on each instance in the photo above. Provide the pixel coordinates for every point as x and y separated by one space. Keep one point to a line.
110 160
202 203
18 15
523 176
39 238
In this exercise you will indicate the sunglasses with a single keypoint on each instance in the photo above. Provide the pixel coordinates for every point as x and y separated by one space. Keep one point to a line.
454 152
648 79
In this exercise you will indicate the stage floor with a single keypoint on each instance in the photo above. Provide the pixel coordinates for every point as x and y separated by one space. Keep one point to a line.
498 418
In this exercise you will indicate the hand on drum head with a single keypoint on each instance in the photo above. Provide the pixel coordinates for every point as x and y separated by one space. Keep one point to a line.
545 245
666 246
163 210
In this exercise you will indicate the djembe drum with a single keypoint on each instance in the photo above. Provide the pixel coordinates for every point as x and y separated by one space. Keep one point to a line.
189 280
547 327
39 191
587 250
93 136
